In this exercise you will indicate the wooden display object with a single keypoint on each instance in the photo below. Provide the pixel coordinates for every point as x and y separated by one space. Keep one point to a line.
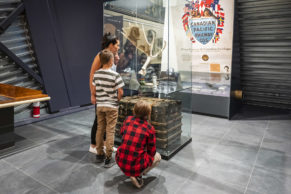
11 96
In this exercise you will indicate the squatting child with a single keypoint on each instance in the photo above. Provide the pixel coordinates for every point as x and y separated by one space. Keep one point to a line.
137 153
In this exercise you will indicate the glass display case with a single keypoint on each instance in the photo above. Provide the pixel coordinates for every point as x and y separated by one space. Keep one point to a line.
201 33
152 68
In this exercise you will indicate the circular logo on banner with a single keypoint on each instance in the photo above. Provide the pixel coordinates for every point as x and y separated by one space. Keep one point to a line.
203 20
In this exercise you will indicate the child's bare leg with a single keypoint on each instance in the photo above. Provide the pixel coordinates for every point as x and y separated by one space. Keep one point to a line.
157 159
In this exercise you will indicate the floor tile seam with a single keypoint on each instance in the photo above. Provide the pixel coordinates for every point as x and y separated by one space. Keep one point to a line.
218 142
79 124
272 128
72 167
276 171
38 181
199 123
213 148
209 152
267 128
62 132
249 123
196 170
39 127
71 133
57 150
254 165
41 144
266 148
24 149
35 140
255 138
47 140
273 170
233 127
223 182
80 160
77 162
276 128
91 163
184 182
261 140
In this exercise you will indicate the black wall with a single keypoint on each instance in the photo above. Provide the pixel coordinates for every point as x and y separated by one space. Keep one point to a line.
66 37
265 50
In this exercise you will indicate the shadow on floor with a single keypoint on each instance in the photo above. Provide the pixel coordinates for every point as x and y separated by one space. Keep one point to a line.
249 112
125 185
21 143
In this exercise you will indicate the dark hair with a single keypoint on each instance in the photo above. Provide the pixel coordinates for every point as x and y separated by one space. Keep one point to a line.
105 56
107 39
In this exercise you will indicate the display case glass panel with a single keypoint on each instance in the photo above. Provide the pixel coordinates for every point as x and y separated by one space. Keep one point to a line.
153 68
203 34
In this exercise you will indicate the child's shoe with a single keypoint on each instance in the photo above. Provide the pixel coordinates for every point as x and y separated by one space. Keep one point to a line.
100 158
92 150
137 181
109 162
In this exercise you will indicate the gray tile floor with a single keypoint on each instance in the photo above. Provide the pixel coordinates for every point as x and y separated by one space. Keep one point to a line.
239 156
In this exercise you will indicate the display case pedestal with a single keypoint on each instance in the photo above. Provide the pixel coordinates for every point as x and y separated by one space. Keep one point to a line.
166 155
6 127
183 142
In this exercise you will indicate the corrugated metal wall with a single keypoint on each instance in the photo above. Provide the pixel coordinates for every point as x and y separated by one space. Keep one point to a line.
16 38
265 37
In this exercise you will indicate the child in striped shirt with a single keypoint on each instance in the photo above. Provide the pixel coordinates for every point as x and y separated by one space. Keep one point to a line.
108 91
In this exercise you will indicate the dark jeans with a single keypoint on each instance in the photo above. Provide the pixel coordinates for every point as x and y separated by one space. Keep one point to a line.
94 130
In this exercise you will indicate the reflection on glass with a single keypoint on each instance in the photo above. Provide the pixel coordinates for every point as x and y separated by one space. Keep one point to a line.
143 29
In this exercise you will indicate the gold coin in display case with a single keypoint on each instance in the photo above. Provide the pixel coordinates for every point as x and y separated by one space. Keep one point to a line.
205 57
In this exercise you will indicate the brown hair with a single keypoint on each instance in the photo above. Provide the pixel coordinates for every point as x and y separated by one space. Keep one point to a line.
105 57
142 109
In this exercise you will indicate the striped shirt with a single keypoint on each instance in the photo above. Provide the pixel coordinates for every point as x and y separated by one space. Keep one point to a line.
107 82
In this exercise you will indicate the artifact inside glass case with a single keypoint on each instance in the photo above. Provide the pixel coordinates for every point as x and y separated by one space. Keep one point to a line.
211 84
137 36
166 118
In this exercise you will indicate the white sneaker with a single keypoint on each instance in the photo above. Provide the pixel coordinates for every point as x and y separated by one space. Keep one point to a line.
92 150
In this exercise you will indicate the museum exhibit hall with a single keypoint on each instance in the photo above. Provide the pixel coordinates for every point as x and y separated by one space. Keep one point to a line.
145 96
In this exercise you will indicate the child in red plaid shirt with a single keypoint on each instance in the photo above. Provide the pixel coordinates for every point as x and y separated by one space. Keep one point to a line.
137 153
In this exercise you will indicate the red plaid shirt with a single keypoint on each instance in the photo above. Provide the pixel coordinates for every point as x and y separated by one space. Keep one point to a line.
138 146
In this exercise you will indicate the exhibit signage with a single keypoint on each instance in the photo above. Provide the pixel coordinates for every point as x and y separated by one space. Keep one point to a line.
209 26
202 34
